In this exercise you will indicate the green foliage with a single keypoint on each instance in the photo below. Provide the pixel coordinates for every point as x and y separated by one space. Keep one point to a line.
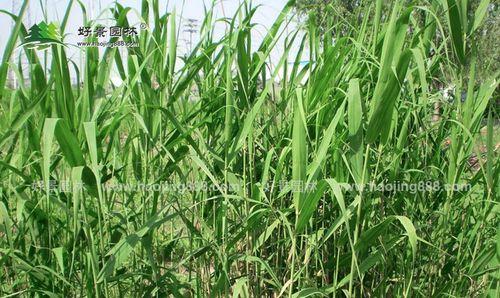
227 174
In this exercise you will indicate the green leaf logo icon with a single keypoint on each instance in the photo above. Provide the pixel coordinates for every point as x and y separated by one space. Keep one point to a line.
41 36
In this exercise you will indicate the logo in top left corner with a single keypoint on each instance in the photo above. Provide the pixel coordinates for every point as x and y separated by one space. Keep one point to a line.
42 35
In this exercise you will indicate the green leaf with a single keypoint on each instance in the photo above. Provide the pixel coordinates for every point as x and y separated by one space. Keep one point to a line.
299 151
455 23
479 14
355 122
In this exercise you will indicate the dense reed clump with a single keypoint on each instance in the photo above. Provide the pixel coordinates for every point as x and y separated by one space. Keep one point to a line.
223 174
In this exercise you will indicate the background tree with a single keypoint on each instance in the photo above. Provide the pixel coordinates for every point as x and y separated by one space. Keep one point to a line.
325 13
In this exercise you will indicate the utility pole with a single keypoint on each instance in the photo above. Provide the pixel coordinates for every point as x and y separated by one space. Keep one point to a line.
91 9
192 28
12 79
